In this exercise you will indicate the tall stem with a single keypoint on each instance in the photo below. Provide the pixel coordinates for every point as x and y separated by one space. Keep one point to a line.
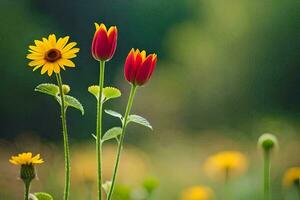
267 167
227 194
120 144
26 190
99 129
65 137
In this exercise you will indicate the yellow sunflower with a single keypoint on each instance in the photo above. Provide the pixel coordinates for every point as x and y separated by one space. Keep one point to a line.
26 159
52 54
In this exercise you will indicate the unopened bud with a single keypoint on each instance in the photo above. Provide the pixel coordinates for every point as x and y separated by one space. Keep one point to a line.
66 89
268 142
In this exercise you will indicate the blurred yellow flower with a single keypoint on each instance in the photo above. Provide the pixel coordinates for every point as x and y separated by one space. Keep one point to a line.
52 55
291 176
26 159
84 165
226 163
197 193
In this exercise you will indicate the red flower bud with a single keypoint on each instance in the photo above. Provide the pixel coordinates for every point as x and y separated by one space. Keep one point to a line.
104 42
139 67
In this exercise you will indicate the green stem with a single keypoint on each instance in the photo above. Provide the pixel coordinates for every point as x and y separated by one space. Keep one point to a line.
267 167
120 144
99 129
26 190
227 193
66 139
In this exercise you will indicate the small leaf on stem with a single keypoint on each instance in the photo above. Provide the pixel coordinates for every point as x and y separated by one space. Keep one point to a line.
112 133
113 113
72 102
139 120
47 88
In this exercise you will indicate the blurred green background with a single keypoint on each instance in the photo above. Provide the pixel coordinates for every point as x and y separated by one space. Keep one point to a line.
227 72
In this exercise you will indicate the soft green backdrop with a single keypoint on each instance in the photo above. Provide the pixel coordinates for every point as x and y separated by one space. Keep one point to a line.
227 72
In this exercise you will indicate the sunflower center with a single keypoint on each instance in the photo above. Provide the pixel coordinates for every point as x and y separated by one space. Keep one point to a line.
52 55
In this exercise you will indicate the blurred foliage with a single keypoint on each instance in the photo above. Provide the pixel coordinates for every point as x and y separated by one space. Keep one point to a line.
227 72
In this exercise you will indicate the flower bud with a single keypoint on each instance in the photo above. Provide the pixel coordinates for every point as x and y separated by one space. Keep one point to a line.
268 142
139 67
66 89
104 43
27 173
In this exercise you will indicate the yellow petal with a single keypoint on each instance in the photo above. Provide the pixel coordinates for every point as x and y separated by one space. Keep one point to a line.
97 26
50 69
36 62
37 67
143 54
45 68
34 56
56 68
37 49
71 53
40 44
66 62
102 26
52 40
47 44
68 47
62 42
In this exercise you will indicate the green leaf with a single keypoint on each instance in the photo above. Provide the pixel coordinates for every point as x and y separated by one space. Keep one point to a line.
94 90
139 120
112 133
111 93
113 113
47 88
108 92
94 136
72 102
43 196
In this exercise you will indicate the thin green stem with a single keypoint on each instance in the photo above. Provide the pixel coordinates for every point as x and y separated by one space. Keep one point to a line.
227 193
26 190
121 141
99 129
65 137
267 167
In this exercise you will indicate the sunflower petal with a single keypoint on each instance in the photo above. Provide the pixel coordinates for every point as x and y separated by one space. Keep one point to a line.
61 43
68 47
36 62
66 62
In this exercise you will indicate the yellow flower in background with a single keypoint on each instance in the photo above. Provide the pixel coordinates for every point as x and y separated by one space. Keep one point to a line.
197 193
26 159
291 177
226 163
52 54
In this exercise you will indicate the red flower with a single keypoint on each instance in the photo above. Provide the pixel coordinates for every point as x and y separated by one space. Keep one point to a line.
139 67
104 42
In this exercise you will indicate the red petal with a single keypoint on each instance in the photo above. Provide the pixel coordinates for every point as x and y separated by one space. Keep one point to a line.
100 45
144 71
153 65
130 67
112 40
